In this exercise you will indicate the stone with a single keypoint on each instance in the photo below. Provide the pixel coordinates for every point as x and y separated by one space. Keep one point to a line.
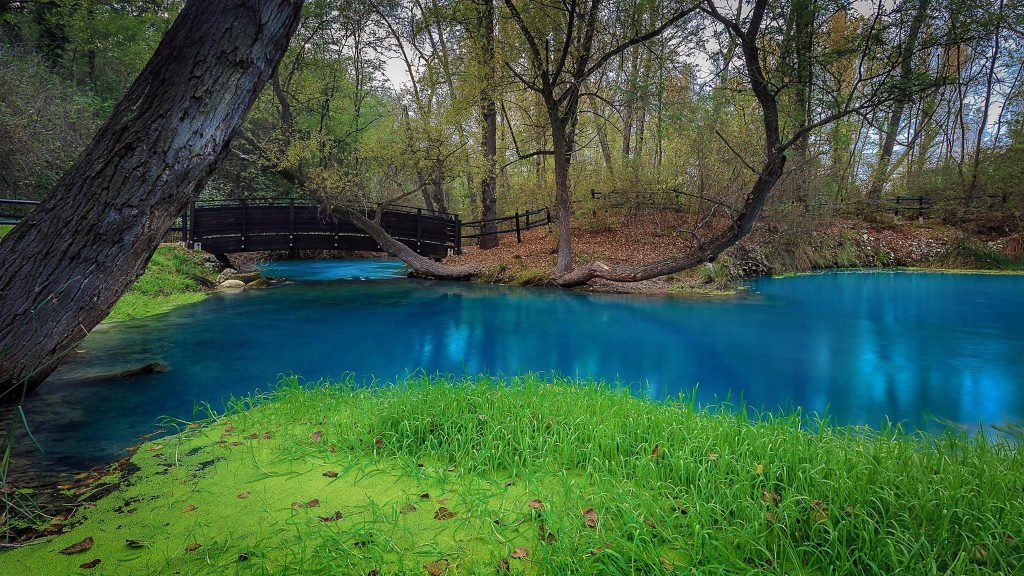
258 283
226 274
231 285
246 276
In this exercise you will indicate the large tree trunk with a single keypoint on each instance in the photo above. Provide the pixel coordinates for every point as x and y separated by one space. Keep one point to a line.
563 200
66 265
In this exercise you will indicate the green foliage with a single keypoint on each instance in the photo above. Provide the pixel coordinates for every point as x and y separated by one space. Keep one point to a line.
173 277
673 488
965 253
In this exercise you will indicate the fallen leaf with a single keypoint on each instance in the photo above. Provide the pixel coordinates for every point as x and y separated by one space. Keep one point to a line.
1009 538
508 483
363 543
373 572
229 428
131 448
135 543
236 443
243 495
155 447
192 547
451 468
591 517
332 518
425 496
520 553
407 509
442 501
760 469
316 436
266 436
188 508
437 568
312 503
650 524
503 566
193 425
331 449
713 456
669 566
770 497
443 514
980 553
536 504
378 442
331 474
656 451
253 436
546 536
90 564
598 550
79 547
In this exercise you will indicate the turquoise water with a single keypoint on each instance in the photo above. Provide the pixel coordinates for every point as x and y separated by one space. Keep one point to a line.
910 347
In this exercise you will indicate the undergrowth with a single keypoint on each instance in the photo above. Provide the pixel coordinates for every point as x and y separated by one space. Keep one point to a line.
543 476
174 276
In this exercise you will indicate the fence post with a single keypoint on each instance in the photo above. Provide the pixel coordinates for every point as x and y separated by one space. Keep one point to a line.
244 216
920 207
419 228
184 227
519 234
458 234
192 216
291 222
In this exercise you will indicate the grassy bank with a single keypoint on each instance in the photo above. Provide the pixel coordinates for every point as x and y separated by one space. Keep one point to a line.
541 477
172 278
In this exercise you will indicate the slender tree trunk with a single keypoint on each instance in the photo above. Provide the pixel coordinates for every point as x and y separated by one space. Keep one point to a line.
896 116
989 80
489 118
66 265
563 201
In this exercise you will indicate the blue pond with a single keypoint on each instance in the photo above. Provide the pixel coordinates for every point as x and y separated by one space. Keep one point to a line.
910 347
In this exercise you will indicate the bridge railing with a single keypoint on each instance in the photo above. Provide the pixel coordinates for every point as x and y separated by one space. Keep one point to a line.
518 223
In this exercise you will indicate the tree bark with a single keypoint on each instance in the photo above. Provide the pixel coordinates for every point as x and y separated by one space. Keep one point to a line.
66 265
489 118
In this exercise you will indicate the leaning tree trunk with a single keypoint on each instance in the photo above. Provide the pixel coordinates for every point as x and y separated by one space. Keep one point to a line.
489 119
66 265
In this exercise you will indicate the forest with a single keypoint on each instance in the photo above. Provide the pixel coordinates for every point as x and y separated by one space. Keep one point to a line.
511 286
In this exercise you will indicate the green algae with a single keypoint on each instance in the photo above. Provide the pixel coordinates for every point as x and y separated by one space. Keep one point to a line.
674 489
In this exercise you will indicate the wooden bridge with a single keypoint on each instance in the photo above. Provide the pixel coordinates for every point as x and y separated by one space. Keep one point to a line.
289 224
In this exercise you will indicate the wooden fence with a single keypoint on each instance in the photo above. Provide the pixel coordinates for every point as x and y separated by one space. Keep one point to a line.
518 223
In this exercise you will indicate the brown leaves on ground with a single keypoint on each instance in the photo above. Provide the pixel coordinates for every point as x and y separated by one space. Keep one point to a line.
590 517
193 546
90 564
135 543
378 442
407 509
311 504
316 436
535 504
713 456
425 496
436 568
656 451
442 501
330 474
266 436
155 447
443 514
244 495
78 547
760 470
595 551
229 428
819 512
332 518
331 448
770 497
503 566
546 536
189 508
520 553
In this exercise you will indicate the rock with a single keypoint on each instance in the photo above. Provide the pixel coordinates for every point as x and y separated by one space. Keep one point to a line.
231 285
226 274
246 276
258 283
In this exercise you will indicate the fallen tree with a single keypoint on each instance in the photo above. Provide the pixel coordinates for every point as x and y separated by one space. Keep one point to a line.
69 261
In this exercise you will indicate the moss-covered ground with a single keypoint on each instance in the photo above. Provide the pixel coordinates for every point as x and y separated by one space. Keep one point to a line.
540 476
173 277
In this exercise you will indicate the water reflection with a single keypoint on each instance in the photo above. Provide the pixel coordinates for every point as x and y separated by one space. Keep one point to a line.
865 346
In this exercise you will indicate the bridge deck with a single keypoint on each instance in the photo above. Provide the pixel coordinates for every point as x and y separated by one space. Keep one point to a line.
292 224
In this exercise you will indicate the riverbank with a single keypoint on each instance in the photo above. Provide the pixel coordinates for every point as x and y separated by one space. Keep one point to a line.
535 476
771 250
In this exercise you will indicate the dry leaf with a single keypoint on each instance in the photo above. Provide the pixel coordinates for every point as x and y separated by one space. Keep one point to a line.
425 496
437 568
373 572
520 553
155 447
508 483
713 456
536 504
443 514
378 442
668 565
980 553
591 517
760 469
236 443
193 425
546 536
656 451
90 564
193 546
598 550
229 428
253 436
332 518
330 474
243 495
188 508
316 436
79 547
266 436
503 566
442 501
407 509
331 449
134 543
770 497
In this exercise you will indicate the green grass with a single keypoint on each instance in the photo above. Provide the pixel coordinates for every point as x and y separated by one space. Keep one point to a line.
673 488
4 229
170 280
969 254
